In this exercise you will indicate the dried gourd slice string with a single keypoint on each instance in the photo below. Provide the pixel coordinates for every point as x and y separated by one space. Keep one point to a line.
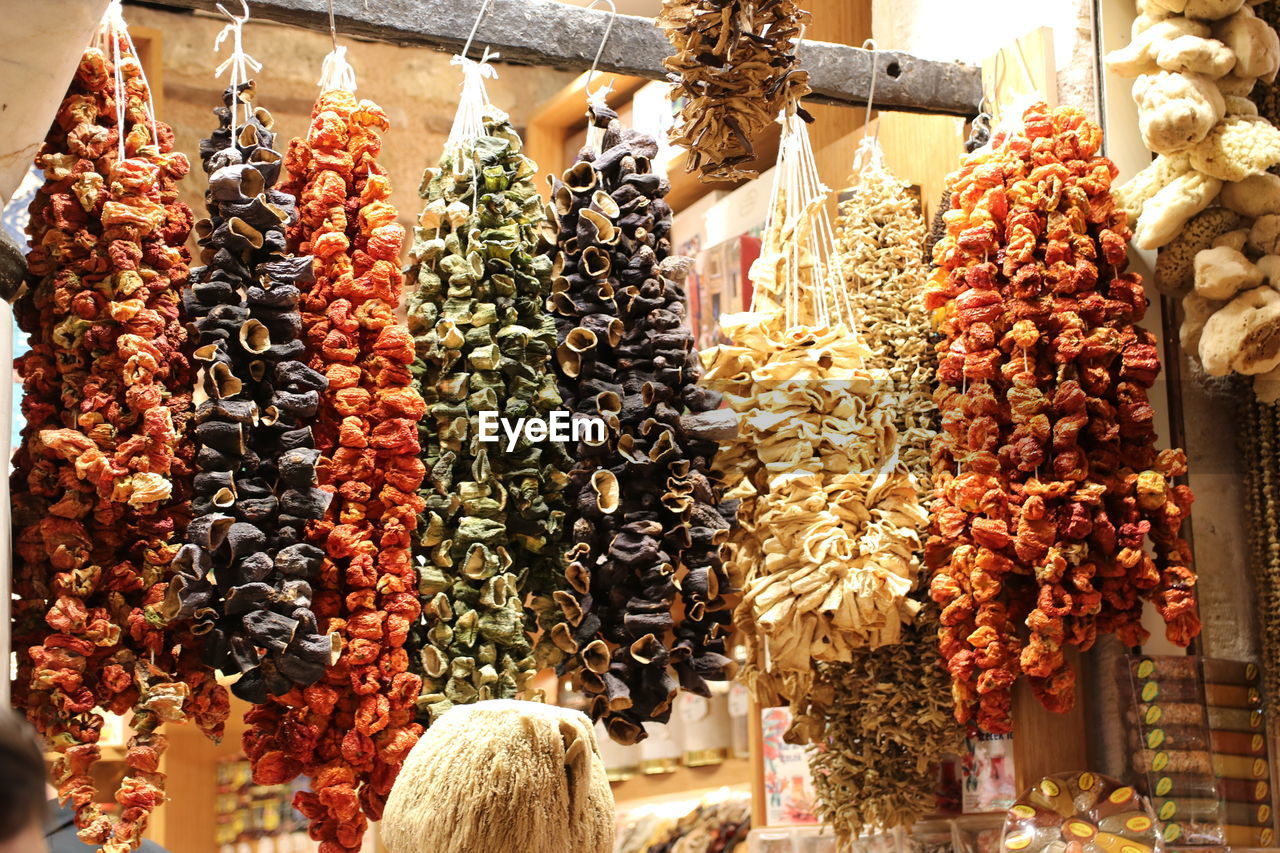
826 543
490 513
896 697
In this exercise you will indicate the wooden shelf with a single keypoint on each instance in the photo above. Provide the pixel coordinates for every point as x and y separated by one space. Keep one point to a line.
733 771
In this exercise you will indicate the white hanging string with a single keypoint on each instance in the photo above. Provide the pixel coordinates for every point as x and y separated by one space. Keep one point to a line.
336 72
114 30
468 121
870 45
239 63
800 228
599 99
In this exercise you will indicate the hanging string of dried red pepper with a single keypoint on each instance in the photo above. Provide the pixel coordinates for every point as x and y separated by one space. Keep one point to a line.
1048 481
350 732
102 487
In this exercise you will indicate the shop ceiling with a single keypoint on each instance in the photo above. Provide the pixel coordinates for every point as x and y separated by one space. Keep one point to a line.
551 33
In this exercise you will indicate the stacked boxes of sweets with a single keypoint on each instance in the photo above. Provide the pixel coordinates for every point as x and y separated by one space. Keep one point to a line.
1199 741
246 812
1238 741
1169 748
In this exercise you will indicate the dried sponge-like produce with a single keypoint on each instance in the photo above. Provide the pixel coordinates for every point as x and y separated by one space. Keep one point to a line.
486 774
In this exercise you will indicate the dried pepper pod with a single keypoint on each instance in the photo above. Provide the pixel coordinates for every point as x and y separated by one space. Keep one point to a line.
484 341
896 697
735 69
101 487
351 731
828 527
244 578
1048 483
647 521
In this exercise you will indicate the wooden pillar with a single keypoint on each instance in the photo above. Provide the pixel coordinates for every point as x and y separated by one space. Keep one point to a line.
1044 742
844 22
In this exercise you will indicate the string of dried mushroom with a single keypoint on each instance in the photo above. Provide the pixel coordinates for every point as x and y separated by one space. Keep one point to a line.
351 731
1048 483
100 491
826 536
483 339
885 717
647 524
244 579
735 69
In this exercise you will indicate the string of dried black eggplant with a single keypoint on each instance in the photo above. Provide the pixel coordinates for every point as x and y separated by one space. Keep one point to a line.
647 517
244 577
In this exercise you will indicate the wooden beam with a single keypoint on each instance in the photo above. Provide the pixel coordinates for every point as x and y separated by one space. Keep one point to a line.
547 33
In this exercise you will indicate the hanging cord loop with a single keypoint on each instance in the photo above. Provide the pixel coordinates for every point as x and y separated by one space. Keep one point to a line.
114 30
870 45
336 72
598 97
598 100
468 122
239 62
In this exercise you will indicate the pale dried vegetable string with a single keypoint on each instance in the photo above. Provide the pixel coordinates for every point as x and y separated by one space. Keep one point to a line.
885 716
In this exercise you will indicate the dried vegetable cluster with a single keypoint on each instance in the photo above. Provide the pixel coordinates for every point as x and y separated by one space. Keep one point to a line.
351 731
736 68
484 340
828 526
647 522
1260 447
101 487
1048 483
1208 201
886 716
244 578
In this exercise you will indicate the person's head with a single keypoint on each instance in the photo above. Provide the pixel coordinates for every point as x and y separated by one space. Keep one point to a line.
22 787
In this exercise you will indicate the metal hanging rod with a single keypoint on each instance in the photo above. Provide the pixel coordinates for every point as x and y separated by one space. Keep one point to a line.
548 33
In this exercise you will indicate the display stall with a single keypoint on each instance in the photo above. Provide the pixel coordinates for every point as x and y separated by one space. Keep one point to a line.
646 426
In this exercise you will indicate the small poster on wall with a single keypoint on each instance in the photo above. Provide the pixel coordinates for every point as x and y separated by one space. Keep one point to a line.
788 788
987 768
